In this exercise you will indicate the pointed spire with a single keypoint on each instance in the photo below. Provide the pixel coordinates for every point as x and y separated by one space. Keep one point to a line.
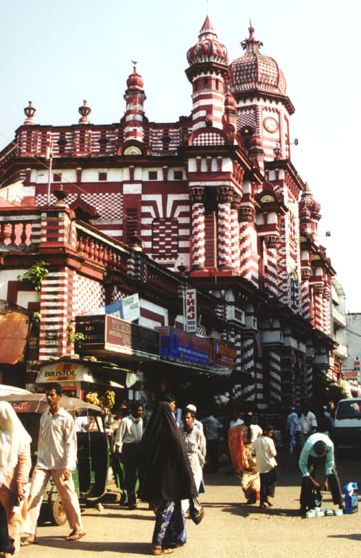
251 45
207 28
208 46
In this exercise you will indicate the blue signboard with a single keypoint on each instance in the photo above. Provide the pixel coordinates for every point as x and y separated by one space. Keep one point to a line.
181 346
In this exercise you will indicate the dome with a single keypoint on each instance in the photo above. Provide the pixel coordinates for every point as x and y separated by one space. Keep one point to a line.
208 48
135 80
255 72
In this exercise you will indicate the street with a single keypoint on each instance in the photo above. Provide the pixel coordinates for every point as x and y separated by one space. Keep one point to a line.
229 528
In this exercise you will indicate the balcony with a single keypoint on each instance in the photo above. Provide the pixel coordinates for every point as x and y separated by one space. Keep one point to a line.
338 317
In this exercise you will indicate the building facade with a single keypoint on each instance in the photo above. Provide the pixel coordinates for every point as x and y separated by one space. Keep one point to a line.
213 198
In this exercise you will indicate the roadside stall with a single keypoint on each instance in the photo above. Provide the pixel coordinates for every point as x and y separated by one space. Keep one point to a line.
81 376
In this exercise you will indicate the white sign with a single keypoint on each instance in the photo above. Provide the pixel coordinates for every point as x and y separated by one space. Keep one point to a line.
190 310
131 308
127 308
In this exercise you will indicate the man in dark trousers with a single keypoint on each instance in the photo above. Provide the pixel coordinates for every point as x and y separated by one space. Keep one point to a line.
318 449
127 442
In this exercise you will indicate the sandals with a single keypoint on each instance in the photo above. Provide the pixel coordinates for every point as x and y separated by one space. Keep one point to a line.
75 535
157 550
27 541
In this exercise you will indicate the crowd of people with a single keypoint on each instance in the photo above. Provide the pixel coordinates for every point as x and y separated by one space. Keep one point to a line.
160 461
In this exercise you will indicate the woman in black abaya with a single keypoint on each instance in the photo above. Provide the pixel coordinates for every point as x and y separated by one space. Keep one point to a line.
165 478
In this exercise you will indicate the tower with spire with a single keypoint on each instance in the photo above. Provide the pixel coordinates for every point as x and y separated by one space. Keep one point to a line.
208 73
134 111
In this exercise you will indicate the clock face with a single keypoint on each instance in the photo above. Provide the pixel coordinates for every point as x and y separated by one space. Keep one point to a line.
132 150
270 124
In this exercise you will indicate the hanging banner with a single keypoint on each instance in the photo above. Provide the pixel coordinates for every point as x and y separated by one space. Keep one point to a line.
190 310
178 345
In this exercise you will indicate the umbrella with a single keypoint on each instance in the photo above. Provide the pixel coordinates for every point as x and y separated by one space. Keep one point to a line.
37 403
9 390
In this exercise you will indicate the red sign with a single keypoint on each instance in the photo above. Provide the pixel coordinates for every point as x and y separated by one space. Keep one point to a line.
224 354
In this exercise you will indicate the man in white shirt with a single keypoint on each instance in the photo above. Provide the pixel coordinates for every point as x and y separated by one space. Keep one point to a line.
57 454
265 451
127 442
308 423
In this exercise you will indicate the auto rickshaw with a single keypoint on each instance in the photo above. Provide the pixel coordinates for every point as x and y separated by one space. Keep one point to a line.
90 477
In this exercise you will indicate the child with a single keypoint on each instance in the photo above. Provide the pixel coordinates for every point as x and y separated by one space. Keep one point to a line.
265 451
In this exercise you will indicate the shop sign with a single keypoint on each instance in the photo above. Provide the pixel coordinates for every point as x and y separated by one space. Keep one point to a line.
64 372
190 310
130 308
120 333
127 308
224 354
178 345
107 332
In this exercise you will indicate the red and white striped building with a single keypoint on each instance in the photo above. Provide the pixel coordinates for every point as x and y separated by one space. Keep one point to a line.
214 195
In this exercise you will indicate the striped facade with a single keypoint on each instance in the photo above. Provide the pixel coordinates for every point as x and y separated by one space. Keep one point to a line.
213 194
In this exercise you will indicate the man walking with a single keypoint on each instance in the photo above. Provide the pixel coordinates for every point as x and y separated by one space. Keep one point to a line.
57 452
127 442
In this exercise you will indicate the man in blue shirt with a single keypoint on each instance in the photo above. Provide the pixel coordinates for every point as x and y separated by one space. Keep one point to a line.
318 448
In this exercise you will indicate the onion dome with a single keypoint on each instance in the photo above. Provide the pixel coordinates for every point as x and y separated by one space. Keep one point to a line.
135 80
255 72
208 48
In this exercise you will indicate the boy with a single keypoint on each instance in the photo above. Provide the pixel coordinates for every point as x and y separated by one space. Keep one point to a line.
265 451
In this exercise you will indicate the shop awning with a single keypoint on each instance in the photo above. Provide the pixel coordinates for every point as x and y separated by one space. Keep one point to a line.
91 370
14 331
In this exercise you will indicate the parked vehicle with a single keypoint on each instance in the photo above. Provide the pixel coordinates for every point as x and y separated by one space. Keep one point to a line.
91 475
347 428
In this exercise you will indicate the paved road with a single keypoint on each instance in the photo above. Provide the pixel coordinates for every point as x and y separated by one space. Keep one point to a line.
229 529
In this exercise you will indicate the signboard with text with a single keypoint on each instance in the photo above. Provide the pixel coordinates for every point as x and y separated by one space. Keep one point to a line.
108 333
190 310
178 345
224 354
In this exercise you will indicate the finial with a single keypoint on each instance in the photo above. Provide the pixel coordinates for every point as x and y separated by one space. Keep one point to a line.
134 62
251 44
29 113
84 111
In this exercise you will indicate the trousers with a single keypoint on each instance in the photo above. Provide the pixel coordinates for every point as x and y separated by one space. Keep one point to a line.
68 496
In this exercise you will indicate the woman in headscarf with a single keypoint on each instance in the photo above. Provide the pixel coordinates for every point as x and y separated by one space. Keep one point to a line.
15 464
165 478
241 446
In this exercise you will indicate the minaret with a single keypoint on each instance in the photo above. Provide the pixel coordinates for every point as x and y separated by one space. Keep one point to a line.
208 72
134 112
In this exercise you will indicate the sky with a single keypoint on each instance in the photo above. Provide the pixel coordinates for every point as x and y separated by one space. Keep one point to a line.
57 53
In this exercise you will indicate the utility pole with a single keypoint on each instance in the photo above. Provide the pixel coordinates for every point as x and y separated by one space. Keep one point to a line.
49 156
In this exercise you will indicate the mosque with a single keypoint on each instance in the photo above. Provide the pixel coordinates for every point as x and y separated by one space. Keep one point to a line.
210 204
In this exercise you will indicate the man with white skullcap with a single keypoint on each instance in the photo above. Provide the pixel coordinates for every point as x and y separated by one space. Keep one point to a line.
197 423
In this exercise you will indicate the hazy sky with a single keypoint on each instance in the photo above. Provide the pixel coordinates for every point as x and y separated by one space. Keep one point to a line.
59 52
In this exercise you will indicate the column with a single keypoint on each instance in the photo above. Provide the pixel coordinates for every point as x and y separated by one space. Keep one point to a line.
198 229
225 197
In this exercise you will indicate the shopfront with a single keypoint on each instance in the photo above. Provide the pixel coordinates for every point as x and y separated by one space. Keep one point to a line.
81 376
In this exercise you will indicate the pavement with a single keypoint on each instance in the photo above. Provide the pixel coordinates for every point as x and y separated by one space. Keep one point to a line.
229 528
